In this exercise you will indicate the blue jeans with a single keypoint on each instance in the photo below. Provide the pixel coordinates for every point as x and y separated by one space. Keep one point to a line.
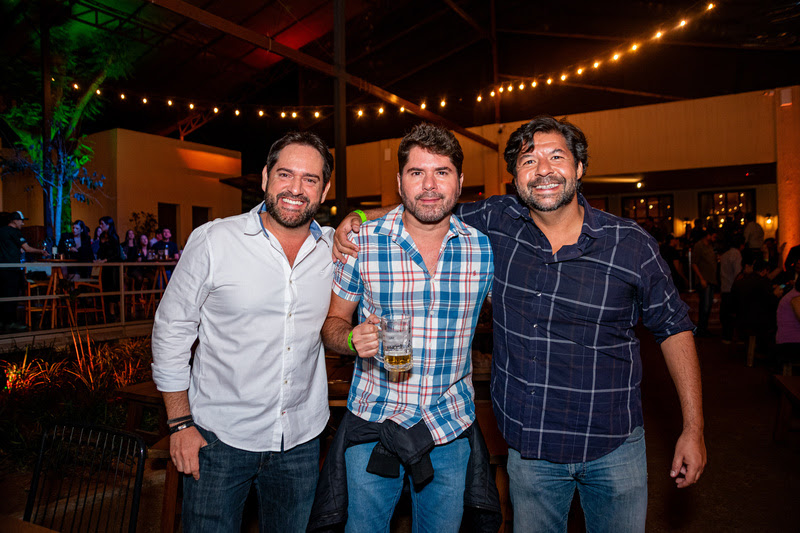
436 508
285 483
613 490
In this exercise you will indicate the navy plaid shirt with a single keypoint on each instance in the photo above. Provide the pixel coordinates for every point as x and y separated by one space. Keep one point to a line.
566 368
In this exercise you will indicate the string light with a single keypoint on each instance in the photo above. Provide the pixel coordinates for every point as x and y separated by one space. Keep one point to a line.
216 110
423 105
75 86
261 113
682 24
360 112
634 47
236 112
710 7
580 71
563 77
510 88
122 96
521 86
549 81
380 111
533 84
98 91
403 109
596 64
500 89
615 57
144 100
492 94
169 102
294 114
283 114
442 103
480 98
658 35
316 113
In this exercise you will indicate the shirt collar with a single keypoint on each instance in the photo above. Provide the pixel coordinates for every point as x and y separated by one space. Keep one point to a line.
592 226
392 224
254 225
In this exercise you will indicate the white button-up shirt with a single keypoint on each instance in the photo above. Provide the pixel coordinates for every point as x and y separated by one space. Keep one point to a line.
258 374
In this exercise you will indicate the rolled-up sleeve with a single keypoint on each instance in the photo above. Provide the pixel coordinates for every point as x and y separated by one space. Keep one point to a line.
177 319
663 311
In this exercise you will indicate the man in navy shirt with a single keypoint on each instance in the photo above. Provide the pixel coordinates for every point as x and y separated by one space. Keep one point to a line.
571 283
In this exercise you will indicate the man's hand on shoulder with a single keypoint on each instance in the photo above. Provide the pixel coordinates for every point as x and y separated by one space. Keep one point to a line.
342 246
184 447
690 458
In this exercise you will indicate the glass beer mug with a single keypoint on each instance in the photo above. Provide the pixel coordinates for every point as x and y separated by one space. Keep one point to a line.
395 350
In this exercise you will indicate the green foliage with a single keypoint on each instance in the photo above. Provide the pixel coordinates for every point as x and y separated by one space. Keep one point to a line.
76 55
143 223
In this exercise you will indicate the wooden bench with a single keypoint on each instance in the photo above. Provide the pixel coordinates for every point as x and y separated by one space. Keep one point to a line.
139 397
789 387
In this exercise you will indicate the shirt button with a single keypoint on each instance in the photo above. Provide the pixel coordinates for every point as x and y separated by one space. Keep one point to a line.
535 325
288 348
538 293
290 314
285 381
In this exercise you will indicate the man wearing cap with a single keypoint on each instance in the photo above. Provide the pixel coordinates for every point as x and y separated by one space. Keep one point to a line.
12 243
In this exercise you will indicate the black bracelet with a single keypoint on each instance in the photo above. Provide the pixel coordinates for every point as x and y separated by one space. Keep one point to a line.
181 427
179 419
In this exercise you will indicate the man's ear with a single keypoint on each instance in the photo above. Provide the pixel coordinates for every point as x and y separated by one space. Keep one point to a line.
265 179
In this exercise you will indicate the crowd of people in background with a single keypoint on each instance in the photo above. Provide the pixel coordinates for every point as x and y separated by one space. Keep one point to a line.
758 291
79 246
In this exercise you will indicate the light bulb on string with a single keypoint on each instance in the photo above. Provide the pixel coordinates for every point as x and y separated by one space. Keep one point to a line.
283 114
144 100
216 110
480 98
422 106
360 112
261 113
442 103
294 114
563 77
316 114
549 81
122 96
169 102
492 94
380 111
98 92
236 112
521 86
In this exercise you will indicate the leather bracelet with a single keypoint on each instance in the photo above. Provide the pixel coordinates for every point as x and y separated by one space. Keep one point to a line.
350 341
361 214
178 420
181 427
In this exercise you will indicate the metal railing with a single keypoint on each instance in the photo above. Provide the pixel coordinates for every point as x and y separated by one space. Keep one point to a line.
63 302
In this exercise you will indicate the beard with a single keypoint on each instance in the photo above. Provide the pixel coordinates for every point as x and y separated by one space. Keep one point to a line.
568 190
291 219
429 214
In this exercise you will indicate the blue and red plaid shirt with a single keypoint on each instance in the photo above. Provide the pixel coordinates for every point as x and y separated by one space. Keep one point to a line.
390 277
566 368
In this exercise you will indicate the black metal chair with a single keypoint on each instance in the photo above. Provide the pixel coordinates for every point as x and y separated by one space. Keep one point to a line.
87 478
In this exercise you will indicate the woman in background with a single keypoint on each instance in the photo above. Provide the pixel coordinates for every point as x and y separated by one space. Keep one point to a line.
109 251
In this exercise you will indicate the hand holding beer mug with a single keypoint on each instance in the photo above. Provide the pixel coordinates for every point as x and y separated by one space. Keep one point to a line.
395 350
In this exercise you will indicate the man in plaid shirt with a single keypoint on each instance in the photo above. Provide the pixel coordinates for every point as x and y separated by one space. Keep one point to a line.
421 261
571 283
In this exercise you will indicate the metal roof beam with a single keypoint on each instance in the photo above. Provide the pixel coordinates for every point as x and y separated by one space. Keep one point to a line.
266 43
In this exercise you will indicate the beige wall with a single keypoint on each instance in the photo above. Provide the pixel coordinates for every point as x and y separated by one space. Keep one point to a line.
143 170
720 131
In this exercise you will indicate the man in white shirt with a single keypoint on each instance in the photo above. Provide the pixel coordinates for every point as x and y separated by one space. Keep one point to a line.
254 290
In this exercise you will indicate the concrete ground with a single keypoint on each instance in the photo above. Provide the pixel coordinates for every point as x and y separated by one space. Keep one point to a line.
751 483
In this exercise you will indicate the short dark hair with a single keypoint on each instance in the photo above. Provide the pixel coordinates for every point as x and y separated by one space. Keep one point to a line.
305 138
522 139
434 139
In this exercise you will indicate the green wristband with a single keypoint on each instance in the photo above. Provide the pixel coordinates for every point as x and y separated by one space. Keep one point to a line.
350 341
361 214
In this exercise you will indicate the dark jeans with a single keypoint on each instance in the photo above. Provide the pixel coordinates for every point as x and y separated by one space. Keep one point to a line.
285 483
10 285
727 315
706 301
